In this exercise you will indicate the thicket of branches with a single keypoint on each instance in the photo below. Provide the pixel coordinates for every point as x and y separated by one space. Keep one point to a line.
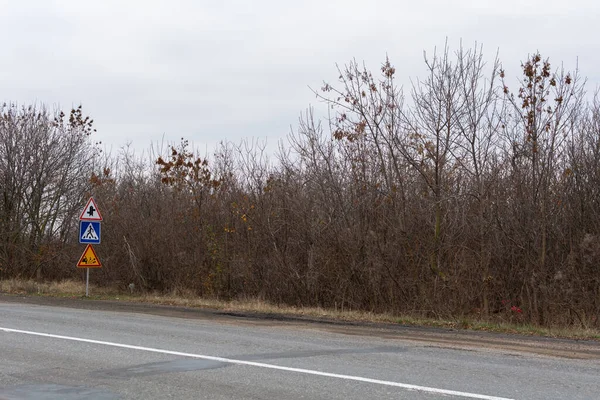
463 196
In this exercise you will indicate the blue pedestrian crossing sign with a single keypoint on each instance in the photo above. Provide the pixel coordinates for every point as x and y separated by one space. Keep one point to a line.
89 232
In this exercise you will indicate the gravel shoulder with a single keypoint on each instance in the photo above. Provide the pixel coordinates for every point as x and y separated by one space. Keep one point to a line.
435 337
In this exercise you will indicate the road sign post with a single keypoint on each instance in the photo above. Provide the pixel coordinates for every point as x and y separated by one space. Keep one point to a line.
89 233
88 260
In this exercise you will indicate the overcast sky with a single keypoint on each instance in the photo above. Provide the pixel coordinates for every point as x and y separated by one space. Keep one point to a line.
227 70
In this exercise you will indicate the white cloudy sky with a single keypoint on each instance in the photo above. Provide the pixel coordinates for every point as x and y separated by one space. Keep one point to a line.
212 70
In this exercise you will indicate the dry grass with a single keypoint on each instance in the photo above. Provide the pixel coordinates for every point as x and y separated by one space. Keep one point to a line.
62 288
188 299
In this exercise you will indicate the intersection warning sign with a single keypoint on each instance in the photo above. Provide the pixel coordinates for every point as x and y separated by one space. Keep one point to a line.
90 212
89 259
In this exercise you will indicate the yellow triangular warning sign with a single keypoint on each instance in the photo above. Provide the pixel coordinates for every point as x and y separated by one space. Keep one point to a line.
89 259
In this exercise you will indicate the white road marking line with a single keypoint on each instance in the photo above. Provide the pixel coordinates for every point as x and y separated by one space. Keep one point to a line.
263 365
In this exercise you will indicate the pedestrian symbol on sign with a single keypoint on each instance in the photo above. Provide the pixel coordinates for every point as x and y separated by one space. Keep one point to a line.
89 232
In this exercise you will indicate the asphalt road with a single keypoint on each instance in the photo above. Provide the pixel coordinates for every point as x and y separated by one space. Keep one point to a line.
54 352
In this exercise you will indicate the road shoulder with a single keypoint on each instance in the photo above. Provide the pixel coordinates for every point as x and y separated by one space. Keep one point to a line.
435 337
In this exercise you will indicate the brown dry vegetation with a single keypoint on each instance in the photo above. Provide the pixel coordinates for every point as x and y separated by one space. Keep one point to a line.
464 199
250 307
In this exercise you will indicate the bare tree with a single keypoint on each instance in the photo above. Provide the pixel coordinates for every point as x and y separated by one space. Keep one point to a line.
45 165
543 117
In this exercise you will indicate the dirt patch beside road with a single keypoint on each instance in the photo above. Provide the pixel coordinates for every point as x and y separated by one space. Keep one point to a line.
427 336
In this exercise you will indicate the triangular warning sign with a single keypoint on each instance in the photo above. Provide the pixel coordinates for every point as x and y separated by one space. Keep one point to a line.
90 212
89 259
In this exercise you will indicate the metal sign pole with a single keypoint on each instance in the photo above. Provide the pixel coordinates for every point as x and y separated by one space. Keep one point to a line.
89 233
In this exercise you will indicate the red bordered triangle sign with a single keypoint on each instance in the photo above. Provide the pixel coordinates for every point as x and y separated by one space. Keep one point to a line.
89 259
90 212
